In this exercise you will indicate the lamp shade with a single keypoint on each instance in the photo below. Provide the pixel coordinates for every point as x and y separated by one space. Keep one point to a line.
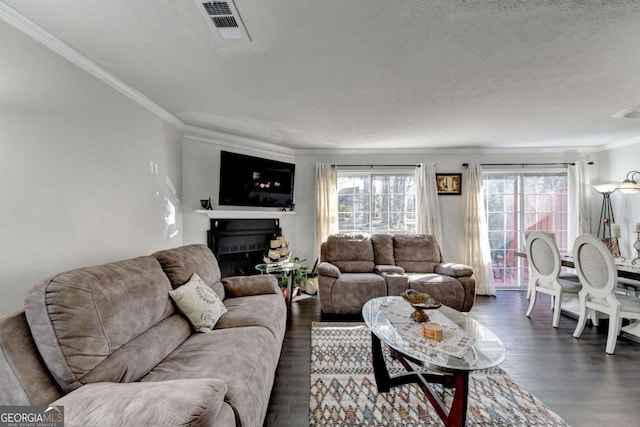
629 185
605 188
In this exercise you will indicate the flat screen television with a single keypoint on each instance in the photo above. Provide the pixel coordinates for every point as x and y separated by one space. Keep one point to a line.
253 181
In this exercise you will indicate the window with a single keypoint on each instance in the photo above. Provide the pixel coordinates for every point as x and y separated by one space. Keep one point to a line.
515 204
376 202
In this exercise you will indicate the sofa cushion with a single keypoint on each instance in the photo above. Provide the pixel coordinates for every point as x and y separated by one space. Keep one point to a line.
383 249
112 322
243 286
244 358
351 253
396 283
389 269
454 270
198 303
268 310
180 263
167 403
416 253
352 290
444 289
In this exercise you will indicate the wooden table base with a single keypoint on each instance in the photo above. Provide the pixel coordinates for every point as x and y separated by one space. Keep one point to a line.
455 415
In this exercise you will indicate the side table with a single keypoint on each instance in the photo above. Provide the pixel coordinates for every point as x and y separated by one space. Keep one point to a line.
288 268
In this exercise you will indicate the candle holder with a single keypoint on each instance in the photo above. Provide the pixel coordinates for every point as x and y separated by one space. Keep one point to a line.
636 246
615 247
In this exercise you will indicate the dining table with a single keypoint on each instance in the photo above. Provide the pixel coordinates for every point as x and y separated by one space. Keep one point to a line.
625 269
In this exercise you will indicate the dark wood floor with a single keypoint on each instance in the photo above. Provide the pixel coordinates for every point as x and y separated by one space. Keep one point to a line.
574 377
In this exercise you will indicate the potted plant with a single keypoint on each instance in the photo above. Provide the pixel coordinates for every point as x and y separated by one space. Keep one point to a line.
311 280
283 281
300 274
305 278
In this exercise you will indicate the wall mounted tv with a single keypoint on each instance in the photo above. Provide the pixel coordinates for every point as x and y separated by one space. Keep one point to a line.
252 181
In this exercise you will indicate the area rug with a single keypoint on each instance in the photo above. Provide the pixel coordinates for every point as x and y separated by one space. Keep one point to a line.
343 389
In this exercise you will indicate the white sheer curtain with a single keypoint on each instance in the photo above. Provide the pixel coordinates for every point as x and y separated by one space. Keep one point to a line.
326 202
579 202
477 250
427 202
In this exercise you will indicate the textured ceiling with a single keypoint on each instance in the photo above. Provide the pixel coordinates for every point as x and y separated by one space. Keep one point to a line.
374 73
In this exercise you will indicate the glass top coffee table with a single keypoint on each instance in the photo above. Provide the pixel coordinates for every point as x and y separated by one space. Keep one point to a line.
426 363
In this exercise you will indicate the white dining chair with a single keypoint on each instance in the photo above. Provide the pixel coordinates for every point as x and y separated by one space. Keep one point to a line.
564 275
597 271
545 266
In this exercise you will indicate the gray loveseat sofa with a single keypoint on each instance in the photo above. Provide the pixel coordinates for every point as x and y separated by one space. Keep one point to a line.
358 267
108 344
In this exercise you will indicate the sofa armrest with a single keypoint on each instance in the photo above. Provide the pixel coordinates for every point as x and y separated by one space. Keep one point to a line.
193 402
243 286
328 269
454 270
380 269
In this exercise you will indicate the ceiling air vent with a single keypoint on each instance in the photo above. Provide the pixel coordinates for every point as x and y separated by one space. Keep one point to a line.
225 18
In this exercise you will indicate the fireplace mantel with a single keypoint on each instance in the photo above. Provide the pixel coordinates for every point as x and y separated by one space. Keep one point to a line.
239 214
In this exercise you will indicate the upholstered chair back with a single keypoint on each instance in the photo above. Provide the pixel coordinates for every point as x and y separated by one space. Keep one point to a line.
383 249
544 256
416 253
351 253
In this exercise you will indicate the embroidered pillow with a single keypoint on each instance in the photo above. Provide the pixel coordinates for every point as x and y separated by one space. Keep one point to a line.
199 303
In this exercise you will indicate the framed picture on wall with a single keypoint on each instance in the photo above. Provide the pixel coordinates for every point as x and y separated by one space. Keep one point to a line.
449 183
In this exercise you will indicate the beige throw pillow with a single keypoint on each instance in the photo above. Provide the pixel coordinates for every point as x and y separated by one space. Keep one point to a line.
199 303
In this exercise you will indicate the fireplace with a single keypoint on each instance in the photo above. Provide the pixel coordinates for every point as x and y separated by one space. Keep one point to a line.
240 244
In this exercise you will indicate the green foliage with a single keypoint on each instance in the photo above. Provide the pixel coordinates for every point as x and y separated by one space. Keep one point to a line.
303 272
283 280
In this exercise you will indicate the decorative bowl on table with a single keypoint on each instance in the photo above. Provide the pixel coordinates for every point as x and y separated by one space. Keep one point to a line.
420 301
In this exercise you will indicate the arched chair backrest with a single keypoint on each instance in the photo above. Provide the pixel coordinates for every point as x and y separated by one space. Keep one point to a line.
595 266
544 256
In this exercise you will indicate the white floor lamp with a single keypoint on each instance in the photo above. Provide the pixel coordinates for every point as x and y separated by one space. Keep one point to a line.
607 219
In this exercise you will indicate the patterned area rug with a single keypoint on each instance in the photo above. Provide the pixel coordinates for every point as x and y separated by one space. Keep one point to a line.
343 389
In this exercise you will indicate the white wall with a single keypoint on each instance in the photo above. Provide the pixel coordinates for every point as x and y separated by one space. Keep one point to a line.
76 160
615 164
451 206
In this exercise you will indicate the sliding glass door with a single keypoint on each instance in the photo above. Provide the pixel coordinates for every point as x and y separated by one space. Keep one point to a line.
516 203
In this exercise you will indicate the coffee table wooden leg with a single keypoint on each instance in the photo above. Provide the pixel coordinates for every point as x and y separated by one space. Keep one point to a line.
383 381
458 411
454 416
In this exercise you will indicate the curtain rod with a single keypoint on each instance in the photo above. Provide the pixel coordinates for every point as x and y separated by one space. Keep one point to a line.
526 164
374 166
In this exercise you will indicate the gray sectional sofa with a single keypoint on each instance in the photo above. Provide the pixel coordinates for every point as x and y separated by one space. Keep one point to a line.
108 344
358 267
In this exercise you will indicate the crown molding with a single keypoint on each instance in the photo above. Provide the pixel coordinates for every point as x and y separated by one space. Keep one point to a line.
622 143
15 19
453 150
197 134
